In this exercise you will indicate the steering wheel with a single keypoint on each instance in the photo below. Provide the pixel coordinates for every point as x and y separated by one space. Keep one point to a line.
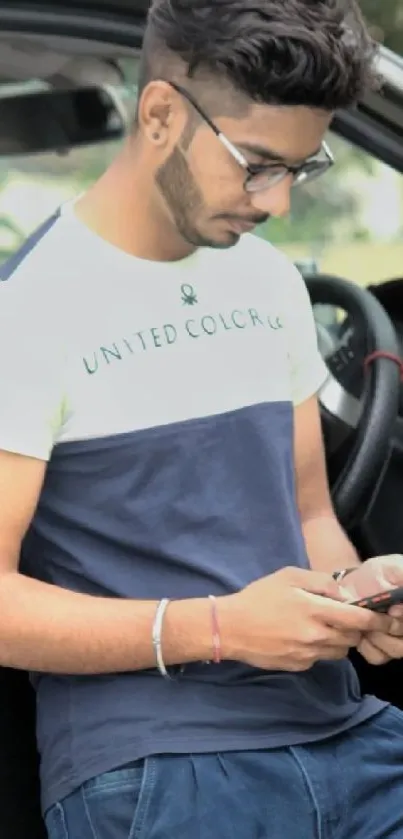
367 423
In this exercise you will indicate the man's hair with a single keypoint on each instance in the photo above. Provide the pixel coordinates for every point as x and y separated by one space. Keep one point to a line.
316 53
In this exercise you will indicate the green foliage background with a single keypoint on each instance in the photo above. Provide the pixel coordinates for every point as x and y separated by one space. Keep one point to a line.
317 212
386 19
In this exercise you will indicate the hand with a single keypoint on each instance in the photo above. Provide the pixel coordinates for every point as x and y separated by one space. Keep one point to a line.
292 619
379 574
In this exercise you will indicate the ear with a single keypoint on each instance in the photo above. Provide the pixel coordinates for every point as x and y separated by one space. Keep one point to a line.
161 113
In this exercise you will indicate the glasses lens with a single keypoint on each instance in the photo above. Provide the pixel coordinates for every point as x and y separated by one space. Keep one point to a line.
310 170
273 175
266 179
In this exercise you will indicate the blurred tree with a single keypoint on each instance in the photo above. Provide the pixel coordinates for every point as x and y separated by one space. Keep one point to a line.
326 209
323 212
386 20
321 209
332 203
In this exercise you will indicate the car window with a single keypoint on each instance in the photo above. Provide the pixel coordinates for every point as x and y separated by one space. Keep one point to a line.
32 187
349 222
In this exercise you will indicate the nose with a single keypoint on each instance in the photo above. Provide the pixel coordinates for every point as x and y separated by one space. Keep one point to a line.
275 200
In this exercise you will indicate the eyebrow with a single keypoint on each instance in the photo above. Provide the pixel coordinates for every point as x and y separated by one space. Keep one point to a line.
269 154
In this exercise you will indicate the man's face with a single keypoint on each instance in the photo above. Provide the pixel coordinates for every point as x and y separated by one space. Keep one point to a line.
203 185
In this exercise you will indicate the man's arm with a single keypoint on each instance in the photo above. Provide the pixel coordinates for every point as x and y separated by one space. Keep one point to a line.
45 628
48 629
328 547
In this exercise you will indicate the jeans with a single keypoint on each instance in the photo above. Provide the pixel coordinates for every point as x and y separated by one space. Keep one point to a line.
348 787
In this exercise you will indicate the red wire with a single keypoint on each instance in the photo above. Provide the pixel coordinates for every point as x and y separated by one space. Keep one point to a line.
389 356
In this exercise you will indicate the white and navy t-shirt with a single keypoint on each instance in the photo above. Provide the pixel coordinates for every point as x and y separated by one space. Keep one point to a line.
162 395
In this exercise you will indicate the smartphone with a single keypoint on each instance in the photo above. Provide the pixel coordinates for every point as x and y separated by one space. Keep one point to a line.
382 602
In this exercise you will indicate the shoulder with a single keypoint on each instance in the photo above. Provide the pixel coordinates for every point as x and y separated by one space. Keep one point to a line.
34 280
35 299
17 267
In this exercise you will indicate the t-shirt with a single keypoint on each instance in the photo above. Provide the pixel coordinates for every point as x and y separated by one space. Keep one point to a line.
161 395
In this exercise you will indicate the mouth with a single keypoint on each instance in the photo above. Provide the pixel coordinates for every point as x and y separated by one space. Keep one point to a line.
240 226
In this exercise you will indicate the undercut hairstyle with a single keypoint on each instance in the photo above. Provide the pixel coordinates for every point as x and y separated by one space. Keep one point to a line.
313 53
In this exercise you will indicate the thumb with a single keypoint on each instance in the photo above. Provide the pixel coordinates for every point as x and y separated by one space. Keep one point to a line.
375 575
389 569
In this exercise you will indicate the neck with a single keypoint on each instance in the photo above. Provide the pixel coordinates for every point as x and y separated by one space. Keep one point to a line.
122 208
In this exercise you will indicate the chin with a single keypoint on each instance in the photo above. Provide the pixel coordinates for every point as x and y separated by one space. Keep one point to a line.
227 240
230 240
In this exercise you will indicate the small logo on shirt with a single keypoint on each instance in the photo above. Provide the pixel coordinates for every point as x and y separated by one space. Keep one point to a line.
189 296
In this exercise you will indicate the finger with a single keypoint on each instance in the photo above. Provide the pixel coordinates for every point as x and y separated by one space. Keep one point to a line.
336 638
314 582
391 647
348 617
372 654
396 612
390 567
396 628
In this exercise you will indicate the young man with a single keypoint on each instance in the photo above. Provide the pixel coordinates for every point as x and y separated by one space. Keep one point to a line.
163 494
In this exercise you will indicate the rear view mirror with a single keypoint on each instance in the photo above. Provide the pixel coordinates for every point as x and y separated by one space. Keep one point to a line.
58 120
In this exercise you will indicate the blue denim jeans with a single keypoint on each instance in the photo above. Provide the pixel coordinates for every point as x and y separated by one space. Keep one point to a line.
348 787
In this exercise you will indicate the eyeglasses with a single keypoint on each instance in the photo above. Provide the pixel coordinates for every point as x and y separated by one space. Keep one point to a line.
264 176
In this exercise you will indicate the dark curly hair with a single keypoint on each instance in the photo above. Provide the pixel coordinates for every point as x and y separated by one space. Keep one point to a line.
316 53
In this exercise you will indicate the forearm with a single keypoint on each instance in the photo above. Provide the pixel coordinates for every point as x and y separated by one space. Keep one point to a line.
328 547
48 629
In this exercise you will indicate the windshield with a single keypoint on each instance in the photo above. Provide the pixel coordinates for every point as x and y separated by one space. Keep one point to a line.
386 20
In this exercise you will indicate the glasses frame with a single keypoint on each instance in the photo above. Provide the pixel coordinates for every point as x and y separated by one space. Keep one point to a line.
253 171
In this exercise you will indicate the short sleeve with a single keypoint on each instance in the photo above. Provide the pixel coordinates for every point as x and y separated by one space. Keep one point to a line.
308 370
31 407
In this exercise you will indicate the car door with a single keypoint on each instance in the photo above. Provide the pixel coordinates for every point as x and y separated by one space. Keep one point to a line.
121 22
97 24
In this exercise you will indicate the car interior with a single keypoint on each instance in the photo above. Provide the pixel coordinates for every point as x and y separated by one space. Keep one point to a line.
67 99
